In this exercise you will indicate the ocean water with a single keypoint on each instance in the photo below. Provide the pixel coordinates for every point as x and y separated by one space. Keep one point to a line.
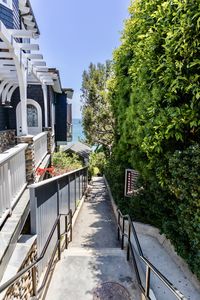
77 130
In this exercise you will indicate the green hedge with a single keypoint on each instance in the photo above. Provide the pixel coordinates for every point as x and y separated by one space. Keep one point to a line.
155 95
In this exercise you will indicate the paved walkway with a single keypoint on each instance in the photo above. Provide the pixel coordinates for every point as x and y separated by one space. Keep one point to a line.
94 256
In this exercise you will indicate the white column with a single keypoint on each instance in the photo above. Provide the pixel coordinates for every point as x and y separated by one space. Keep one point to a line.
44 88
52 117
23 98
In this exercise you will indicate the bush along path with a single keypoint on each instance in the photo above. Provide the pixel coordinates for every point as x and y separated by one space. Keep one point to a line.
154 93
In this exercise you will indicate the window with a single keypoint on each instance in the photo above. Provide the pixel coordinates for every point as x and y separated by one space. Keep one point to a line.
7 3
32 116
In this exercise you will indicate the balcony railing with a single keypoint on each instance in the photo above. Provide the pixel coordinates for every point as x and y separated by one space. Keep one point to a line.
12 178
40 147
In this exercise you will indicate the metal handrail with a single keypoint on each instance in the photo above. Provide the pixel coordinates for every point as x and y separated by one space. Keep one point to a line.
53 179
32 266
149 266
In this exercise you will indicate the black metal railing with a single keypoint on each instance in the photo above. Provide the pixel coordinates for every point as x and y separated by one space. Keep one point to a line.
66 197
49 199
150 268
32 267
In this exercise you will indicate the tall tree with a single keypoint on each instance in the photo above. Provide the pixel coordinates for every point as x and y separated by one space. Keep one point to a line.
96 109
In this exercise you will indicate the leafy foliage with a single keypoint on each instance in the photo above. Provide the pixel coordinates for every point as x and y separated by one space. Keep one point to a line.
155 94
96 110
64 162
97 163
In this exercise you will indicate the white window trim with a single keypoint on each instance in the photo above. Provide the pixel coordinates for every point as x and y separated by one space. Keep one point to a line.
8 4
19 117
39 110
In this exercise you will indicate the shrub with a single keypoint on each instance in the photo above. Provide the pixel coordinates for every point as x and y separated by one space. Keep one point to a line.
64 162
97 163
155 95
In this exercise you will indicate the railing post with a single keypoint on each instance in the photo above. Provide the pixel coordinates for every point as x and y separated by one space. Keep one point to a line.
69 198
58 236
58 216
147 288
70 215
34 280
118 229
86 177
122 243
66 232
75 189
9 188
129 240
82 188
7 193
79 185
84 181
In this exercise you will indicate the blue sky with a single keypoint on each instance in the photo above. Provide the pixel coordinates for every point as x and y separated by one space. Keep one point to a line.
77 32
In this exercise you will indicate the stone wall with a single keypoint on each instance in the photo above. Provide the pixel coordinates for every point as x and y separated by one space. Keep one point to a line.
23 288
31 173
50 140
7 140
29 156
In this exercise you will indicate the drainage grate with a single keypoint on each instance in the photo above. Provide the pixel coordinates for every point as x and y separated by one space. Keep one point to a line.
111 291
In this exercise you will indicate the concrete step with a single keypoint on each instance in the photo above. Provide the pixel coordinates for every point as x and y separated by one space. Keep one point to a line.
74 251
81 271
11 230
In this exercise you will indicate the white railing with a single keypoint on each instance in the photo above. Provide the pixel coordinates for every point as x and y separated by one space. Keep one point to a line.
12 178
40 147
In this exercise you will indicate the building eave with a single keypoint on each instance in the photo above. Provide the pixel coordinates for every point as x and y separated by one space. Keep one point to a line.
57 86
69 92
26 12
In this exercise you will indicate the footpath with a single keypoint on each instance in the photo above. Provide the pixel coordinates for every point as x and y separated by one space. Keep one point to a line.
94 257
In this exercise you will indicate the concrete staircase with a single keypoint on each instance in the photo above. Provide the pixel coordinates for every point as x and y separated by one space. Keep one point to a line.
9 234
94 256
